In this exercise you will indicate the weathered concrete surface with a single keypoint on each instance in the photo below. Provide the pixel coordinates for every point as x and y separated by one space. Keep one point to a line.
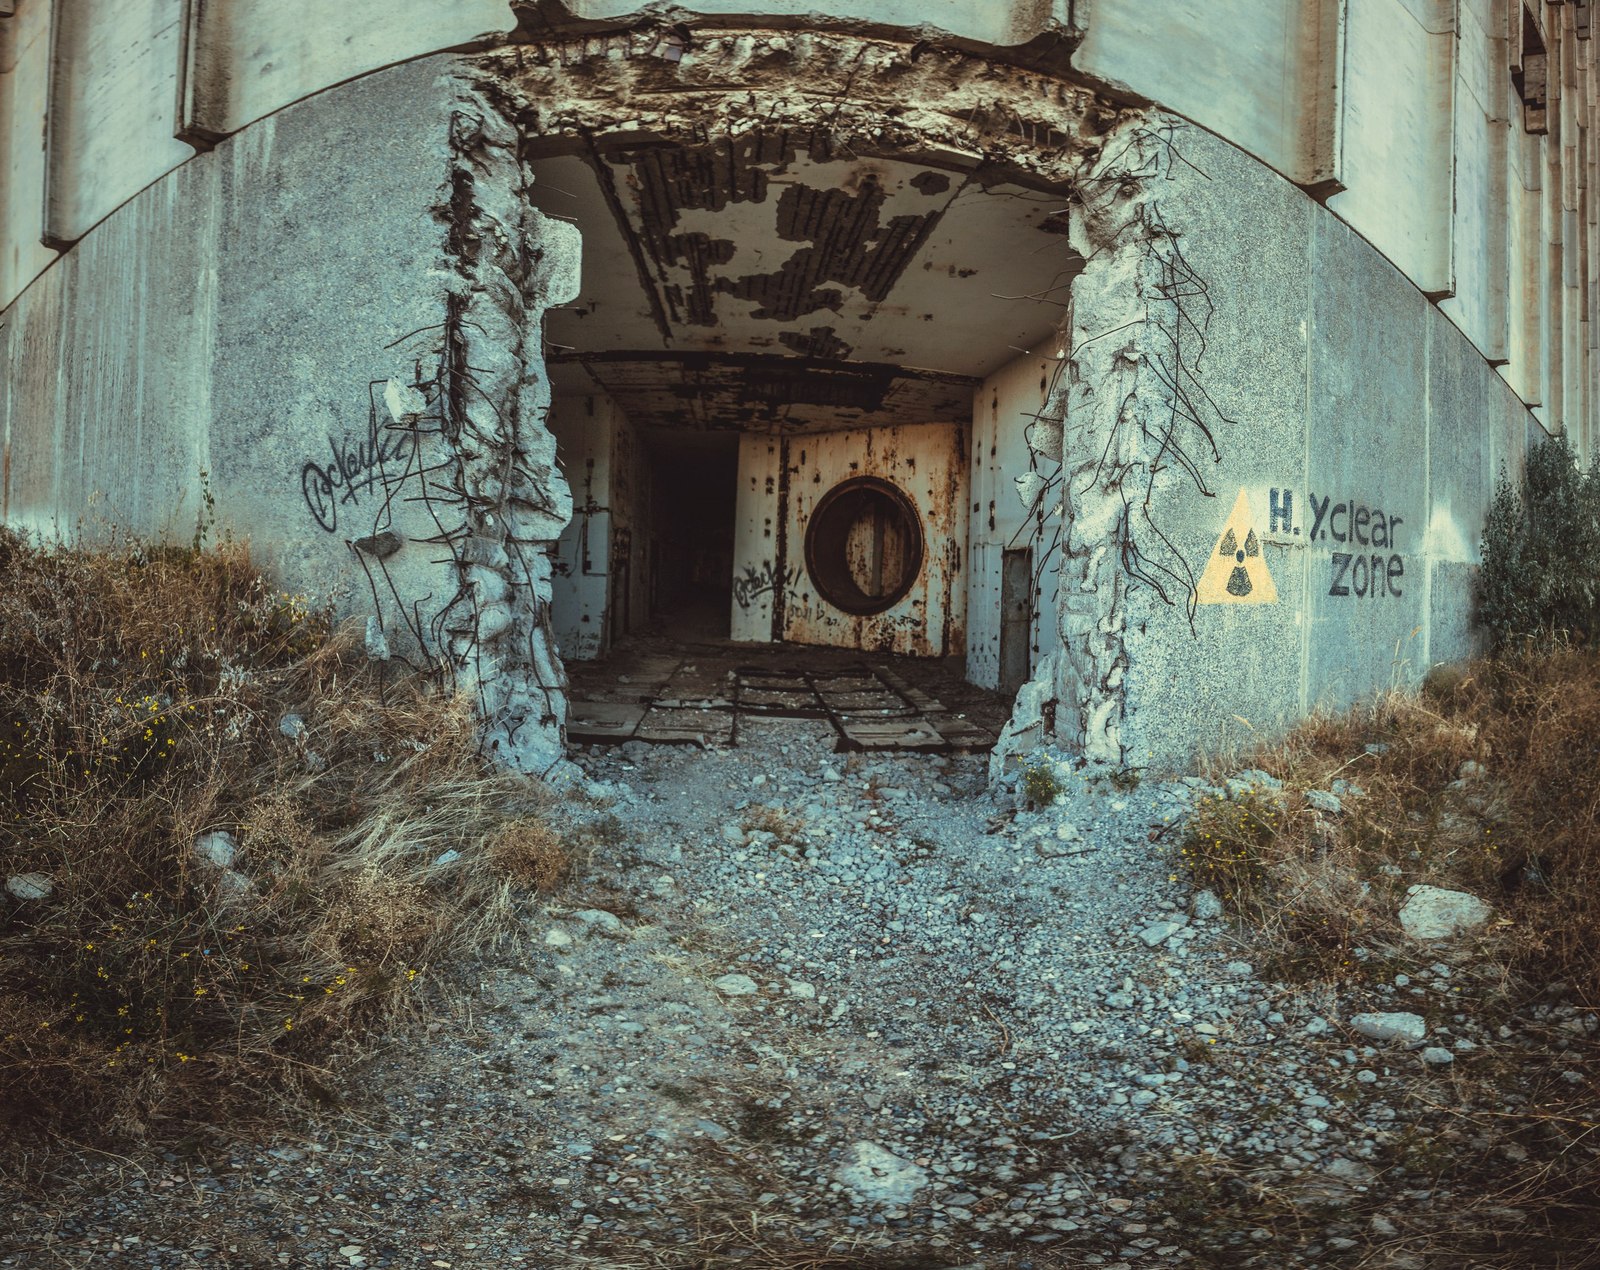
24 82
780 484
353 389
1329 414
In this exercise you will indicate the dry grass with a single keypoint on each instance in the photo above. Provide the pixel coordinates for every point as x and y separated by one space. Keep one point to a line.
141 693
1487 781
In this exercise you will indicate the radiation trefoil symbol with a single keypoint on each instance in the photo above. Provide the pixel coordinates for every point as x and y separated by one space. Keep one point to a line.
1237 573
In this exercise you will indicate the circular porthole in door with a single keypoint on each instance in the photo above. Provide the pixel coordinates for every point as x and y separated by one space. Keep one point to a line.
864 546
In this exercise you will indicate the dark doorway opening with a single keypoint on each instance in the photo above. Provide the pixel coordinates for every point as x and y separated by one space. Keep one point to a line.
694 476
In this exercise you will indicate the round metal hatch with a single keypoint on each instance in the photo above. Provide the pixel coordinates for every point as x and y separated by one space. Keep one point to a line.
864 545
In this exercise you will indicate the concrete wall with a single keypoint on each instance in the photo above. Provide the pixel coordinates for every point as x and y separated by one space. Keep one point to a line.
1343 401
1002 516
928 462
298 338
222 322
1401 113
1403 116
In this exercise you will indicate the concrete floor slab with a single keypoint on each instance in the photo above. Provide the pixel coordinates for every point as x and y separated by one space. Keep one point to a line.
658 691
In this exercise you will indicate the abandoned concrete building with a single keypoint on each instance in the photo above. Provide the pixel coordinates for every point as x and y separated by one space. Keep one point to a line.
1155 357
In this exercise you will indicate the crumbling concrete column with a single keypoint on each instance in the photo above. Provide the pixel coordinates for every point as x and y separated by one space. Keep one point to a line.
506 264
1128 419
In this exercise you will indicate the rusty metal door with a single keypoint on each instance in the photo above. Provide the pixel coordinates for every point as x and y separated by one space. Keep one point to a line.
1016 619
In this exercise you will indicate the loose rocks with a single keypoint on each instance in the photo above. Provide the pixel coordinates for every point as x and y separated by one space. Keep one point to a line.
879 1177
217 849
30 886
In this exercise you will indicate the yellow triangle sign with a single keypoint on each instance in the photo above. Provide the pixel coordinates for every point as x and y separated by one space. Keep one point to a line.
1237 573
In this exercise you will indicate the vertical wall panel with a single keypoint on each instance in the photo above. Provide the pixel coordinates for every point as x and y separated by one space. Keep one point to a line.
24 74
112 111
248 58
1398 119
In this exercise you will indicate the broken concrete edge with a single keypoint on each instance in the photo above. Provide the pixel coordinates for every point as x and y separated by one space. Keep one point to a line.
1122 384
500 500
1044 40
1140 418
887 98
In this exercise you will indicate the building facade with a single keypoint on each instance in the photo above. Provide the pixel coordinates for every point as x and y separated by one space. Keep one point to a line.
1157 358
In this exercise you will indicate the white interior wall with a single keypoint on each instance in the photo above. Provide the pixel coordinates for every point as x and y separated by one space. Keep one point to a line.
756 574
600 453
1002 409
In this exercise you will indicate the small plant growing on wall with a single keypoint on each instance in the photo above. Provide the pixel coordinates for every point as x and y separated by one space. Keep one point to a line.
1540 580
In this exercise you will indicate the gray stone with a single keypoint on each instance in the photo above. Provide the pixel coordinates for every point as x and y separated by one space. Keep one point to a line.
1322 800
736 985
1400 1026
31 886
1437 1057
1431 912
1206 906
1159 932
555 937
217 848
878 1177
597 921
233 888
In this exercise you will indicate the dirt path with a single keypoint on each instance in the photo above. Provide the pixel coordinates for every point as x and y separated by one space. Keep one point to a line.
851 1005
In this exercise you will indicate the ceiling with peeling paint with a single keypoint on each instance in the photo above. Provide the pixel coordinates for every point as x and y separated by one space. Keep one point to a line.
767 281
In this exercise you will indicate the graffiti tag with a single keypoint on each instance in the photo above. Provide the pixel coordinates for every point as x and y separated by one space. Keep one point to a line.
1349 523
352 469
754 583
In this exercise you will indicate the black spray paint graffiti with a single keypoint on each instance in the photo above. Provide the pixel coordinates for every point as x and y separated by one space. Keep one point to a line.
1361 574
754 583
352 470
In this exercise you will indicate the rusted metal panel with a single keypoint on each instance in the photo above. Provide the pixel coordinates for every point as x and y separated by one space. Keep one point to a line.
928 464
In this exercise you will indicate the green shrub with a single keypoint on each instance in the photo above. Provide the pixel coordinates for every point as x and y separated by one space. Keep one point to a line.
1040 785
1540 580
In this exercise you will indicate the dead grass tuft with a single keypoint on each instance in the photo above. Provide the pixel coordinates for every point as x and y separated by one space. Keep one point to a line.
143 693
1487 781
530 853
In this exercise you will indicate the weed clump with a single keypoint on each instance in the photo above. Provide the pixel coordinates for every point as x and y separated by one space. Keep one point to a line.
1483 782
1040 784
228 900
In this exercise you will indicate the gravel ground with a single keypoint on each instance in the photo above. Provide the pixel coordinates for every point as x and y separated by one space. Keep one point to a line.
861 1003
